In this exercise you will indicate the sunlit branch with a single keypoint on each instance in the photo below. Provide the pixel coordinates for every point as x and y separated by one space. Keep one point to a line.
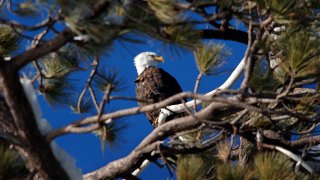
195 91
226 85
247 59
292 156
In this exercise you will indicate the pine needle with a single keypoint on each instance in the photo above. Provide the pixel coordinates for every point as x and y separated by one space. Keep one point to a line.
273 166
165 10
209 57
9 41
110 77
110 133
57 92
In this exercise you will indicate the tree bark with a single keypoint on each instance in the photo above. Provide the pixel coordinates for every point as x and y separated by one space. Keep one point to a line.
41 160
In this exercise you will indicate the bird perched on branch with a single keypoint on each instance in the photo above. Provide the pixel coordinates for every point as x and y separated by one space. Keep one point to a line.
154 84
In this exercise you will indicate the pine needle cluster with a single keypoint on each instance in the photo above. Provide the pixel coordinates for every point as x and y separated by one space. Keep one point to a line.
9 40
11 164
209 57
165 10
265 166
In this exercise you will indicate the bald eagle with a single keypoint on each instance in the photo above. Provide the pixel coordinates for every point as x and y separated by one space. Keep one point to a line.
154 84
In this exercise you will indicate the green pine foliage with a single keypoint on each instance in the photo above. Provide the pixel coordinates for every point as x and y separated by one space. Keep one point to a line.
165 10
273 166
262 79
194 166
298 60
9 40
230 172
288 12
209 57
86 105
303 58
57 92
11 164
265 166
109 78
183 35
111 133
139 19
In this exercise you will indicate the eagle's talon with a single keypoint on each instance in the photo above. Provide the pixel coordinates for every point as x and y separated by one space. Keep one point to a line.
164 113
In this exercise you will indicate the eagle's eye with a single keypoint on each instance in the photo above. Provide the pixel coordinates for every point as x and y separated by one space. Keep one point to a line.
152 56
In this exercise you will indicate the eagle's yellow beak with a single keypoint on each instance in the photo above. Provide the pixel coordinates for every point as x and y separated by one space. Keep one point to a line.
158 58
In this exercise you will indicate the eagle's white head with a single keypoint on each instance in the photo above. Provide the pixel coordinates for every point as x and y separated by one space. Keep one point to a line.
145 60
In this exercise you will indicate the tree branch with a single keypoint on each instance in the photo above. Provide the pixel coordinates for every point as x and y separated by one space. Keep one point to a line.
49 46
40 157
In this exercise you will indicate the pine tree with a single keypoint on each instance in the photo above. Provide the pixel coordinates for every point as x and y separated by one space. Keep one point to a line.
266 128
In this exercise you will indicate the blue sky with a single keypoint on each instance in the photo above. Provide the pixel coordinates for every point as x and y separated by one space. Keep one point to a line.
85 148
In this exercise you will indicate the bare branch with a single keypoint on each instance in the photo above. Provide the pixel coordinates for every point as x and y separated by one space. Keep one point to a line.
248 60
195 91
95 65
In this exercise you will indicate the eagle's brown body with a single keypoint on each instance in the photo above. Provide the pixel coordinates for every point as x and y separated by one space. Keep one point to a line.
154 85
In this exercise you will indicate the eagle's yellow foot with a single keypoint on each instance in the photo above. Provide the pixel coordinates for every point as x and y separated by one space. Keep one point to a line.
155 123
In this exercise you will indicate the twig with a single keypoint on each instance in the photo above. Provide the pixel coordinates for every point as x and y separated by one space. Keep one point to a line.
103 102
142 167
94 98
126 98
248 60
232 141
169 166
195 91
95 65
239 117
295 157
288 88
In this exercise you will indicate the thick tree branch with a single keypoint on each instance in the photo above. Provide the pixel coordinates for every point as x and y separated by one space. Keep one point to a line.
41 159
311 141
34 53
